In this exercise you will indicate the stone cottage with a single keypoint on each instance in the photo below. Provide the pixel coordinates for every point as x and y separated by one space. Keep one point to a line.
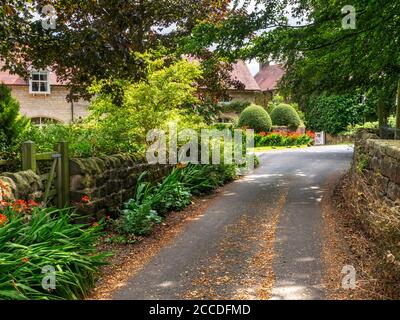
251 92
43 98
268 79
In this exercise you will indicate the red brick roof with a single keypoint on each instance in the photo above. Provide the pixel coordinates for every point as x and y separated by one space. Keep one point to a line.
269 76
13 79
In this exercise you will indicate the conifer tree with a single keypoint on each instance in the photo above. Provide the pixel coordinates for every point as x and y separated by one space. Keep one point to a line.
12 123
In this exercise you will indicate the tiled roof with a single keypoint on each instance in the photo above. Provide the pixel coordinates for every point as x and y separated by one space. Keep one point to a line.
14 79
268 77
240 72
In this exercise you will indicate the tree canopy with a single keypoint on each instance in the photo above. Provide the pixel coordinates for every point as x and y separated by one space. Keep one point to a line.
94 40
318 53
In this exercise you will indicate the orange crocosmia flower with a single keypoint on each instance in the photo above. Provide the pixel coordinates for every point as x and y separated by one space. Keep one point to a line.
25 260
95 224
85 199
181 166
3 219
20 202
33 203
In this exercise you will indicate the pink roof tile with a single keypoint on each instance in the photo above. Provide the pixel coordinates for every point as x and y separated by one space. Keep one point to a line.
13 79
268 77
242 73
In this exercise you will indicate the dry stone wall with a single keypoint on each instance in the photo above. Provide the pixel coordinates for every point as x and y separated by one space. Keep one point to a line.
107 182
21 185
379 160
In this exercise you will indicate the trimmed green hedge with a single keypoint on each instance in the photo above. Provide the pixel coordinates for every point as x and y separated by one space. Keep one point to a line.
255 117
286 115
334 113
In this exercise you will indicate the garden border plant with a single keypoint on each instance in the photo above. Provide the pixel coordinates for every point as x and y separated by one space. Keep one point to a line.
150 204
34 239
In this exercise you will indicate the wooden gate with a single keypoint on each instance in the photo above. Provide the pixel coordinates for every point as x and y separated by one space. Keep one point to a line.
57 179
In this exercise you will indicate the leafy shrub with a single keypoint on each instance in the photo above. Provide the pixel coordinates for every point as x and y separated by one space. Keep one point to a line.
120 125
170 195
141 214
352 129
47 238
235 106
334 113
12 123
137 219
202 179
137 216
223 126
152 103
276 101
255 117
286 115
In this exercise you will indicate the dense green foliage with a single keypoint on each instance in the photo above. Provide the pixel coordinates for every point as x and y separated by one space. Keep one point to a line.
352 129
137 219
12 124
285 115
48 238
255 117
234 106
174 193
122 127
103 45
149 104
320 51
334 113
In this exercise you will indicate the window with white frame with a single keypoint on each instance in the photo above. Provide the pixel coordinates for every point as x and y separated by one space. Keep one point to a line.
39 82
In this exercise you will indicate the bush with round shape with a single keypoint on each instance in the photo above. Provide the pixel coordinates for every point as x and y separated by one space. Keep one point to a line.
286 115
255 117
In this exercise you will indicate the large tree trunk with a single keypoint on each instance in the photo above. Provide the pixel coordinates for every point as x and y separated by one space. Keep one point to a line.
382 117
397 134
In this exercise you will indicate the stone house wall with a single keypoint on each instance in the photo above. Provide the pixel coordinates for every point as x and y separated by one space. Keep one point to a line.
53 105
246 96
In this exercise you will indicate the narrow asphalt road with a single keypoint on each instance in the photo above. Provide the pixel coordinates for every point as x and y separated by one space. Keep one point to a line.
222 254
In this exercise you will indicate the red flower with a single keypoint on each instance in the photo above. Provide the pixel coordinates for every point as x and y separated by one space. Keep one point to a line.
85 199
311 134
33 203
263 134
3 219
20 202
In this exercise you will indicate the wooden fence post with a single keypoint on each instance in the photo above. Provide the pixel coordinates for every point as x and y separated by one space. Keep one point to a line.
29 156
58 181
65 172
62 181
